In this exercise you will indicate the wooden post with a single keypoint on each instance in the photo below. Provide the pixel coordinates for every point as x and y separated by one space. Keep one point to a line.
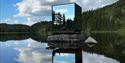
78 56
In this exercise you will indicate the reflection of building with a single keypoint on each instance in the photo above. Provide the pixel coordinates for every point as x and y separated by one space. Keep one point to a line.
76 52
58 19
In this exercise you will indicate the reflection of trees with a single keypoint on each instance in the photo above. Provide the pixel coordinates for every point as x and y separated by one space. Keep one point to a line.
109 44
69 24
61 22
64 19
58 19
14 36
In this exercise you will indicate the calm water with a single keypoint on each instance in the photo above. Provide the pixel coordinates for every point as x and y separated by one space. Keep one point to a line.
32 51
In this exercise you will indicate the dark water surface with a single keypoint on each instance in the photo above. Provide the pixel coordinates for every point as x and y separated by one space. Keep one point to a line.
109 49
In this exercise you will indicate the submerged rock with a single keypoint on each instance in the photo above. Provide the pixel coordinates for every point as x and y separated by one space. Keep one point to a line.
65 41
90 41
66 38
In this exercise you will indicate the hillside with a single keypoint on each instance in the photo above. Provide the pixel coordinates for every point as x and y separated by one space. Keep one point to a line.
109 18
14 28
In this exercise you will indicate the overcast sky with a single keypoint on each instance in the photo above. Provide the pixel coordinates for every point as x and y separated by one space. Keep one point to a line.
32 11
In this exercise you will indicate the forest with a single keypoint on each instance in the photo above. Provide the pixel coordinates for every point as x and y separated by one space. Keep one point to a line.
109 18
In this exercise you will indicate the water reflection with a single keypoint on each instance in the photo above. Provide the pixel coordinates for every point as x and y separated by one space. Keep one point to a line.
32 51
19 36
25 51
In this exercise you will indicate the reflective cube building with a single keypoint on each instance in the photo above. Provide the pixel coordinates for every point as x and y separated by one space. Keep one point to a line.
64 16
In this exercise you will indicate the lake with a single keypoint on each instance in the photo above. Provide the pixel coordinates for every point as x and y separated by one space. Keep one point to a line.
29 50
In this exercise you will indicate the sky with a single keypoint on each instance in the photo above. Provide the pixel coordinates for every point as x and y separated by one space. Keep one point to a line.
32 11
7 12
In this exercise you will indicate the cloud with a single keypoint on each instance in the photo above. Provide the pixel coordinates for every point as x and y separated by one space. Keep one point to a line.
36 7
42 8
94 4
60 61
34 52
28 55
61 10
96 58
36 10
62 54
